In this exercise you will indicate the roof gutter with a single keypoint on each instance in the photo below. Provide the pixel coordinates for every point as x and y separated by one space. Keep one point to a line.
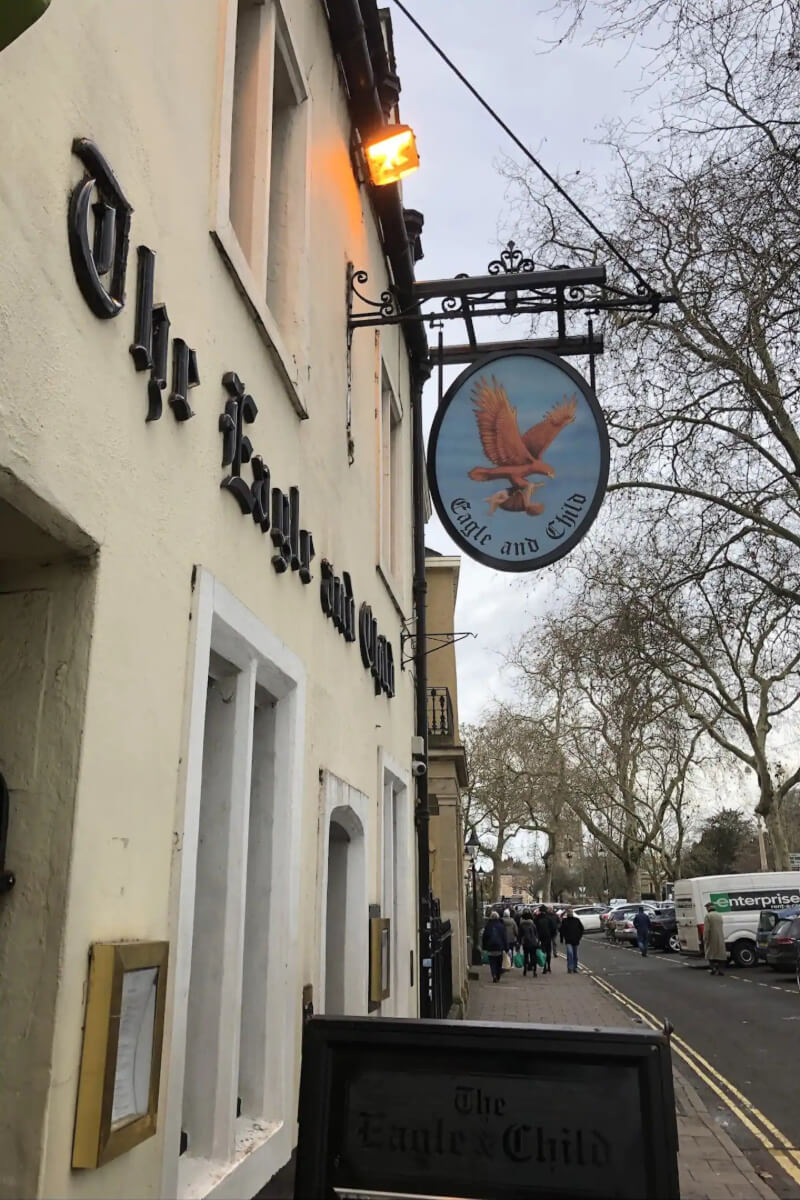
358 41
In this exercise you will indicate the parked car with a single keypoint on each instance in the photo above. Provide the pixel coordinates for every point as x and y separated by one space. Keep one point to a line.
617 901
609 909
588 916
740 899
620 927
782 945
664 930
766 923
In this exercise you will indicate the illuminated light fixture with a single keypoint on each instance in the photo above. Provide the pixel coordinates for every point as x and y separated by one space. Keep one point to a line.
391 154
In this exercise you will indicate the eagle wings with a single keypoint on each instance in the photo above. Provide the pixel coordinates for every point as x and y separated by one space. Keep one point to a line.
515 455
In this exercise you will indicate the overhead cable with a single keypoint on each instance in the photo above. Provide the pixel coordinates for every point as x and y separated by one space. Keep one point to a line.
521 146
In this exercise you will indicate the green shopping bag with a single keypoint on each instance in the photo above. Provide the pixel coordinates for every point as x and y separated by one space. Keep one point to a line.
484 956
541 957
518 960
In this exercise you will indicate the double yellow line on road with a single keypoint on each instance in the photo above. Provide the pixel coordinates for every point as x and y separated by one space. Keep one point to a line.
768 1135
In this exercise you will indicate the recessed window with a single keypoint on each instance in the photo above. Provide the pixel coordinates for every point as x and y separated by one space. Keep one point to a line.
262 176
232 1051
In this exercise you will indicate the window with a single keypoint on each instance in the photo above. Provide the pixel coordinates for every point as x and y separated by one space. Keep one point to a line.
230 1101
393 499
261 222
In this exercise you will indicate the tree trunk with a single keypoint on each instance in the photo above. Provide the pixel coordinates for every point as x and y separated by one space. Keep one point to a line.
548 858
497 866
633 885
777 834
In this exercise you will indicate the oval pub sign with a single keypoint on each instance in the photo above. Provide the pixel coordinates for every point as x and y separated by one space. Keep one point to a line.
518 459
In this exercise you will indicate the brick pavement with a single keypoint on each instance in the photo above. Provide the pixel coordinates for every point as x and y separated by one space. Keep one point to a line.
711 1166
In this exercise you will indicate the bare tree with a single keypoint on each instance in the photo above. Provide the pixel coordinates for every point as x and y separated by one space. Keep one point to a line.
622 731
493 805
702 399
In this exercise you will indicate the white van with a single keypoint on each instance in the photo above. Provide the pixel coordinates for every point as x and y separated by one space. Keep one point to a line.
740 899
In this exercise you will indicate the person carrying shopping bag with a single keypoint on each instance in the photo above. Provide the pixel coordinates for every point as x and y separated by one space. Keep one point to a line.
530 943
512 935
572 932
542 921
495 944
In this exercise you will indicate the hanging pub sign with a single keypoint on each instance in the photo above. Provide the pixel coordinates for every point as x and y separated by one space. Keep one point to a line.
518 459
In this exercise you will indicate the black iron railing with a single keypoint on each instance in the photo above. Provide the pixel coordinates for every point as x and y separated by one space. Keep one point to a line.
440 713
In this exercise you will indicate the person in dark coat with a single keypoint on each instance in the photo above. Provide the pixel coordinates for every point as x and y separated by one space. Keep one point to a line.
512 934
494 943
530 943
641 923
555 926
544 929
572 932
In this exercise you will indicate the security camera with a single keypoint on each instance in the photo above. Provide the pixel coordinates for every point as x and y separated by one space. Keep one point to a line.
418 767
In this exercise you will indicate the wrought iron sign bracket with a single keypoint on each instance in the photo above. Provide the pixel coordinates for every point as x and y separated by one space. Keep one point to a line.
511 287
442 639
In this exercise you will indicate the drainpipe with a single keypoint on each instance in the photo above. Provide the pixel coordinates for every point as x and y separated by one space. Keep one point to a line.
420 588
351 40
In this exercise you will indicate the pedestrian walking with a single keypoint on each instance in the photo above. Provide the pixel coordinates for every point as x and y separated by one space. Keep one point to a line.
544 928
641 923
714 939
494 943
572 932
530 943
511 930
555 926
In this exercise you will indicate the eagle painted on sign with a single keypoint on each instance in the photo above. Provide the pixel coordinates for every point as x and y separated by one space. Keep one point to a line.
515 455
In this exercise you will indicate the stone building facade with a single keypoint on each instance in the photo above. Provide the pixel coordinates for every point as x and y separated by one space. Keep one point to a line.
205 564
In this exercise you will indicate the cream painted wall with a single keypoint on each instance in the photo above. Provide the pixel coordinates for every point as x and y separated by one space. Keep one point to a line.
141 79
447 828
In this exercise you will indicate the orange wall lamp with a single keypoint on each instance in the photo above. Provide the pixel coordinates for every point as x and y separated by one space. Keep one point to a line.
391 154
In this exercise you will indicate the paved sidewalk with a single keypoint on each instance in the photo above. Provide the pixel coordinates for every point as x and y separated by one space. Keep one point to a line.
711 1166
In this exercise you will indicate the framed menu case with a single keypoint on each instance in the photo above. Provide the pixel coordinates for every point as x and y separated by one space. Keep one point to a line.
121 1059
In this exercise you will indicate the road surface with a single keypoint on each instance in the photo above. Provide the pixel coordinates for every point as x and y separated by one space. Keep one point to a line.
736 1038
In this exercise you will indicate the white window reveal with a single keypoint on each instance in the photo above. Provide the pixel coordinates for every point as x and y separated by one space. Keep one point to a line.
397 892
261 208
230 1117
393 499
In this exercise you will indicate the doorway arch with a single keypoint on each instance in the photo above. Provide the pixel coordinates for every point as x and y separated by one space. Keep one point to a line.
345 923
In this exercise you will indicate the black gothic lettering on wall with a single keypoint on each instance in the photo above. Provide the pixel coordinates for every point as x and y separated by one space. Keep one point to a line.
150 345
107 253
184 376
237 448
274 511
336 598
376 652
281 530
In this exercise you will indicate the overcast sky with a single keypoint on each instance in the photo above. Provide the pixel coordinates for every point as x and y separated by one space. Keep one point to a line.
556 102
